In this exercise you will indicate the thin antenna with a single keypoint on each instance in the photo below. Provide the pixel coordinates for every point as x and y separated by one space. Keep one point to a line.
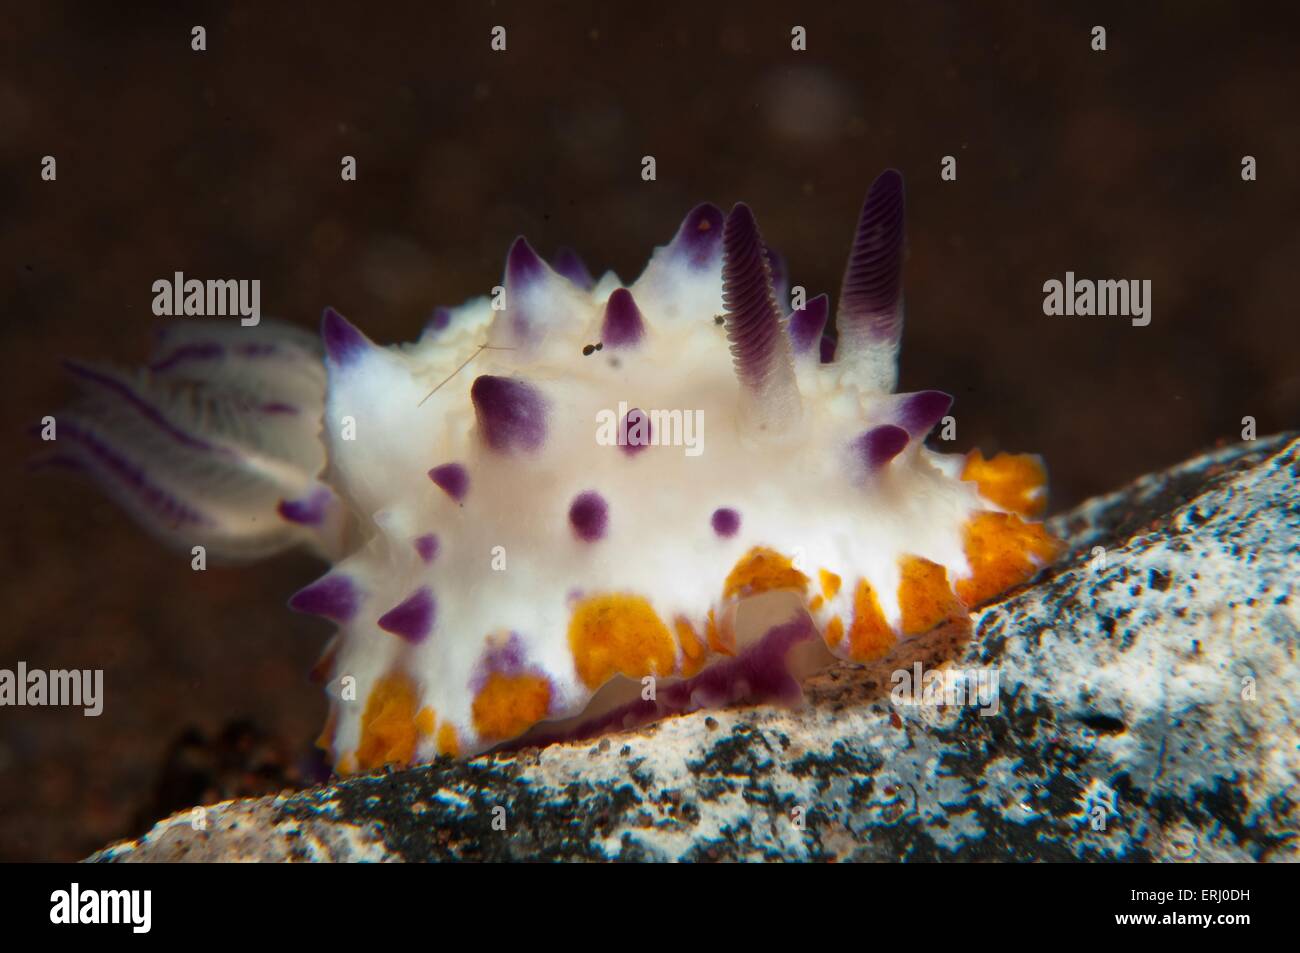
465 363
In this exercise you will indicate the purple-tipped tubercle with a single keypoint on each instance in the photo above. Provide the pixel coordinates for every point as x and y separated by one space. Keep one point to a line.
426 547
623 324
881 444
412 618
440 320
700 235
523 265
452 479
569 263
343 342
309 511
919 412
333 596
511 413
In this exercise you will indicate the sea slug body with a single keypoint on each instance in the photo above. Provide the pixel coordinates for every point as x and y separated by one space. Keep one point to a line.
563 494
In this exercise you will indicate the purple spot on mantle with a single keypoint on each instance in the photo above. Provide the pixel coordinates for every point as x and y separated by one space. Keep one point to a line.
452 479
726 521
308 512
589 516
412 618
623 323
634 433
334 597
426 546
699 238
511 414
343 342
881 444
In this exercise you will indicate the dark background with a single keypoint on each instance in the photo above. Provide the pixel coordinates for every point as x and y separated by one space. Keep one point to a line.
1123 164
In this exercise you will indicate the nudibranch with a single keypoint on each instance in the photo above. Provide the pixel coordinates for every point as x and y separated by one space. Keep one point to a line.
574 505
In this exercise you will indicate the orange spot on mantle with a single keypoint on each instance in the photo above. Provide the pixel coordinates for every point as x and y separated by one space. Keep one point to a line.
1011 481
611 634
1003 551
508 705
830 583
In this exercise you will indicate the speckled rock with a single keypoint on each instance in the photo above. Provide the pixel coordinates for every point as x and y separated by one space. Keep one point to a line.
1149 689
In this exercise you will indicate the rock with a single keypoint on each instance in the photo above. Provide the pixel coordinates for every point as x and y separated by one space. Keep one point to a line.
1149 687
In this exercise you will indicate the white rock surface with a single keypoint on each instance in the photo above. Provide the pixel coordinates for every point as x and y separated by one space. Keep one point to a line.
1150 693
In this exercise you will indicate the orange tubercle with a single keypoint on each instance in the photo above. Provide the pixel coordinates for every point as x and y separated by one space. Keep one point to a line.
694 651
830 583
448 743
834 633
870 636
508 705
611 634
389 727
925 599
1003 551
1013 481
763 570
425 719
